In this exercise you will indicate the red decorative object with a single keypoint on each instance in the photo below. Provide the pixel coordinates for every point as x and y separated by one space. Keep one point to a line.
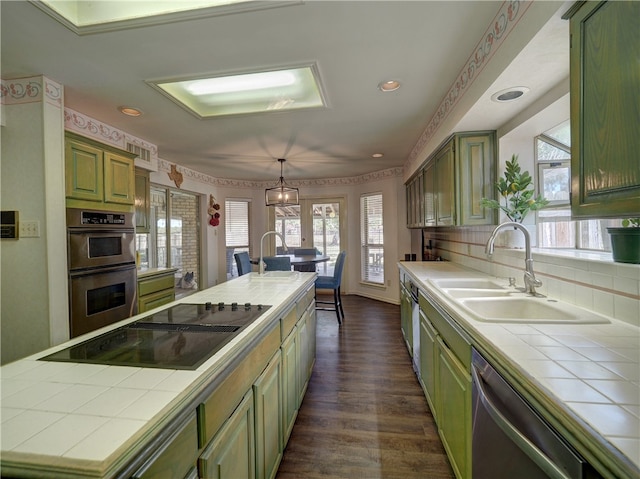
213 211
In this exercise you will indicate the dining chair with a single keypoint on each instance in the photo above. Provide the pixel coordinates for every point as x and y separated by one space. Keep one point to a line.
307 267
333 282
243 262
277 263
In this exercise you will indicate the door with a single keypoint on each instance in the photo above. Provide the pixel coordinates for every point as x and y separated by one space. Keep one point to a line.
315 223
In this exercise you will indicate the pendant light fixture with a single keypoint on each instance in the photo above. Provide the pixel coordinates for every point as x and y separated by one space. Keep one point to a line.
281 195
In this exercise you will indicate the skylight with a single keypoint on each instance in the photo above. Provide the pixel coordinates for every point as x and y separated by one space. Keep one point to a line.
251 92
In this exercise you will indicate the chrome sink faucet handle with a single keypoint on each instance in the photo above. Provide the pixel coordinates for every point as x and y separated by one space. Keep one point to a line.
284 245
530 280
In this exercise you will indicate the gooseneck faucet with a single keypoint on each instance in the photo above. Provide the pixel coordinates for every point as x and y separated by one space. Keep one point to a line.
530 280
261 265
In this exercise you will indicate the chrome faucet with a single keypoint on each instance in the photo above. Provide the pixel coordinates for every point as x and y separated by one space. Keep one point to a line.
530 280
261 265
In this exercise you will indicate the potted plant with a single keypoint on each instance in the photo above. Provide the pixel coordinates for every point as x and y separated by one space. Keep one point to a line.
625 241
518 194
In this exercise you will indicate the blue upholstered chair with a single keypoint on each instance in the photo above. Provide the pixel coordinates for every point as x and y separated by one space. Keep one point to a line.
310 267
277 263
333 282
243 262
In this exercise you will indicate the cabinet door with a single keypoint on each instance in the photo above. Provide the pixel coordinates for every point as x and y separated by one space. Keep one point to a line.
84 172
155 300
445 186
143 201
429 195
454 410
605 110
119 179
231 453
267 393
303 356
289 382
177 457
476 177
405 317
428 363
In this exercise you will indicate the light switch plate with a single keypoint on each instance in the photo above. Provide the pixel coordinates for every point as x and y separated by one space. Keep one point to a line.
29 229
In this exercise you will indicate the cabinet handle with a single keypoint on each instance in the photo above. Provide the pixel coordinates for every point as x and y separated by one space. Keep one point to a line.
519 439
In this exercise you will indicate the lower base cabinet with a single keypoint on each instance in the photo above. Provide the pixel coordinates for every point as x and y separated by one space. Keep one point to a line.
267 393
231 453
454 410
289 383
445 375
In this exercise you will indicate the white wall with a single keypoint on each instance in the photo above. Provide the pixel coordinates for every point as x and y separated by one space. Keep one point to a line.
34 298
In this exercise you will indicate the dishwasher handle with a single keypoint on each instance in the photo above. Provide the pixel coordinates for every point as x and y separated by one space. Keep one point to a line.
528 447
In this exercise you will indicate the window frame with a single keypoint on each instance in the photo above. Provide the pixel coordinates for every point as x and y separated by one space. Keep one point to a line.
230 219
368 266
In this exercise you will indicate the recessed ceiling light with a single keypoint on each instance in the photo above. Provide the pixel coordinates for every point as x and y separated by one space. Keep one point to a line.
389 85
509 94
377 155
129 111
250 92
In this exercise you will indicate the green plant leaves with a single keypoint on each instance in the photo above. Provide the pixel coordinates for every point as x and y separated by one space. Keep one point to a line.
515 189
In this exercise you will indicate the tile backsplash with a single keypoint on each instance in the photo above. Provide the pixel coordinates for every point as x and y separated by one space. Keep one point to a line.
587 279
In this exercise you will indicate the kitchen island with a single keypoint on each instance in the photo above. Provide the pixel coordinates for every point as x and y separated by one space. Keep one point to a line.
67 419
582 376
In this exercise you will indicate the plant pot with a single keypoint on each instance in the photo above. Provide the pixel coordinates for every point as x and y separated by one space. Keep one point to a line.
625 243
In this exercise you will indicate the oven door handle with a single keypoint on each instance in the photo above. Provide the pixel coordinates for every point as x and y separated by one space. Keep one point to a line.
528 447
74 273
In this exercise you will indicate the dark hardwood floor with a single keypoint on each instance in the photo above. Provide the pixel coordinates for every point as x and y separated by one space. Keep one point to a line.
364 414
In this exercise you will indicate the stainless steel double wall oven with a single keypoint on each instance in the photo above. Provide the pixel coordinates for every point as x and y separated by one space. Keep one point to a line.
102 268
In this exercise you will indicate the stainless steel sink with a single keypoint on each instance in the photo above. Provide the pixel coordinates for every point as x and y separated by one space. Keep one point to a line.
527 309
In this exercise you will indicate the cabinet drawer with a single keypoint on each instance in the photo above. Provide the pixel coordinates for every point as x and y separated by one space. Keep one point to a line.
287 323
305 301
177 457
155 300
153 285
450 334
215 410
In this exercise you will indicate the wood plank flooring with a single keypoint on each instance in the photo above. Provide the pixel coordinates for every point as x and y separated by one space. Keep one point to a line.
364 414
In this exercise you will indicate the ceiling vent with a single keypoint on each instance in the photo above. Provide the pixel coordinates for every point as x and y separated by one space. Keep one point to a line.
142 153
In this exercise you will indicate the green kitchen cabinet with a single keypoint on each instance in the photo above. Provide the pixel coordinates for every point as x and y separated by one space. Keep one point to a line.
454 179
444 185
177 457
289 382
454 410
156 288
445 374
231 453
604 82
304 352
267 393
142 201
98 176
405 316
428 361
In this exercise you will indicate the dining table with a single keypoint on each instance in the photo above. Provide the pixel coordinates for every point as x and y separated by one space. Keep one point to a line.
299 260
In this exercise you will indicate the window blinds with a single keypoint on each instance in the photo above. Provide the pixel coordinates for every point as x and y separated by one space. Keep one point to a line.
372 239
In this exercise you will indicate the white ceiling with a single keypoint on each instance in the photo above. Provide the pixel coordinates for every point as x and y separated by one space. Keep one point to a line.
355 45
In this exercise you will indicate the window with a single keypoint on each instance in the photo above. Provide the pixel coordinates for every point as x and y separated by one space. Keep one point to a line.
556 229
174 237
236 232
372 239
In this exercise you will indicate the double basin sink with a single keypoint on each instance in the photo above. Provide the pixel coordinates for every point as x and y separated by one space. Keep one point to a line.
487 300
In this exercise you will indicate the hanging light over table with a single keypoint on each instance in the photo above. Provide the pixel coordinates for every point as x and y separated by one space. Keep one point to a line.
281 195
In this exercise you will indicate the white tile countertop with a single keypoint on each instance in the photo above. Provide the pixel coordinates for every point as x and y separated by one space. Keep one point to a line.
85 417
586 375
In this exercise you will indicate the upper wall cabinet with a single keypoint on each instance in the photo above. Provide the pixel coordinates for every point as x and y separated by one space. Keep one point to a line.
98 176
456 177
143 200
605 81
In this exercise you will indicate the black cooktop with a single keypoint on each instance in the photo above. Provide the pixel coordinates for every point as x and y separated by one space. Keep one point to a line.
180 337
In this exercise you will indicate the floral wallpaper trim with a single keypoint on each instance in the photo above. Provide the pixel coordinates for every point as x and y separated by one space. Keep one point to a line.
87 126
30 90
510 13
165 166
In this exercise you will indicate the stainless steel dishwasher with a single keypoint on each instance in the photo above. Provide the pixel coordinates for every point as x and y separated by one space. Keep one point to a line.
510 439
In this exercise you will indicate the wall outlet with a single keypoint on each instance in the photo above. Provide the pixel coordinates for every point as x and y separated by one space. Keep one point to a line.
29 229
